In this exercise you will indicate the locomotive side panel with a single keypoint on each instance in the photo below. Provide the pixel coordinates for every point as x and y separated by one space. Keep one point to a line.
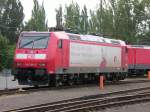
131 57
138 60
96 56
142 56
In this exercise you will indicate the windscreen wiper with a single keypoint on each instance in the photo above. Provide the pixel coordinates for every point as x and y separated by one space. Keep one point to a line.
26 44
31 42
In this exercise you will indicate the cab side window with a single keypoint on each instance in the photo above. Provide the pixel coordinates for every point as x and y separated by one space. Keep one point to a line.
60 42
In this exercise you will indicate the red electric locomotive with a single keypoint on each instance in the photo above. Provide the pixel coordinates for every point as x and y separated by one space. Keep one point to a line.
138 59
57 58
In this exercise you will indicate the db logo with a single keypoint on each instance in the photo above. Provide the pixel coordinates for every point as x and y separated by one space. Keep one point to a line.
115 59
30 56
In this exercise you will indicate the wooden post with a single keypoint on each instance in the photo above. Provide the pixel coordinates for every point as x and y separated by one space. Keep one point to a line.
148 74
101 82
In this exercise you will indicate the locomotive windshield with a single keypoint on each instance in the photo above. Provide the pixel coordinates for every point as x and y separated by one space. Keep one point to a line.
34 42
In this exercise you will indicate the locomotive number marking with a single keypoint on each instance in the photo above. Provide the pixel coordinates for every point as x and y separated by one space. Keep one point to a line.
30 56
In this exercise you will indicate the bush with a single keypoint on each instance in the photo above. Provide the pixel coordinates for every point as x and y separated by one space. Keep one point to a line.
6 53
11 50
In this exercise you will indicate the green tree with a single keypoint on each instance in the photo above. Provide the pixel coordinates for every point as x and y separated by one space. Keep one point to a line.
72 17
117 20
92 23
59 18
124 20
142 11
38 20
3 52
101 20
2 7
11 17
127 20
84 21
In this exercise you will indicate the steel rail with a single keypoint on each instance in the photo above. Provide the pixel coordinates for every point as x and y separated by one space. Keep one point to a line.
27 90
77 103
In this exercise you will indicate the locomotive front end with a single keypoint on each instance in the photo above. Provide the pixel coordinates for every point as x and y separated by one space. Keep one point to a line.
31 58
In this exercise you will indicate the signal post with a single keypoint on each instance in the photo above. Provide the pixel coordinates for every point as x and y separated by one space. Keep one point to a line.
148 74
101 82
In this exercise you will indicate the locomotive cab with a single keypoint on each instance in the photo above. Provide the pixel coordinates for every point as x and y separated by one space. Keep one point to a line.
31 58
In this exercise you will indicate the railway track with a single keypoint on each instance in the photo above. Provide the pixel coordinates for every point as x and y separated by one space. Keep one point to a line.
94 102
27 90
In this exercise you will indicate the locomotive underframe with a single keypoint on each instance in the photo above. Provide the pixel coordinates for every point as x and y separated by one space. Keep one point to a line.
30 76
138 69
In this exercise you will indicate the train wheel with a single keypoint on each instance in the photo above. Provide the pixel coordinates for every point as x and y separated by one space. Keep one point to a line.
51 80
54 81
70 82
70 79
36 86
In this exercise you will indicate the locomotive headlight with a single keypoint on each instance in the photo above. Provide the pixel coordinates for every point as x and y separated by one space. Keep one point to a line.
19 63
42 64
40 56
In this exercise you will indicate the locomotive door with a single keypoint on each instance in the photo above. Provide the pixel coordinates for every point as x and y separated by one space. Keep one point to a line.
60 52
135 57
63 53
132 57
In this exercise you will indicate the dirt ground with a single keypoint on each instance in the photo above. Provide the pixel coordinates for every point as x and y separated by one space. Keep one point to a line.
141 107
40 97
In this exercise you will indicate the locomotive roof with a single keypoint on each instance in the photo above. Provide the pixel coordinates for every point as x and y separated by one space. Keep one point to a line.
90 38
30 33
139 46
71 36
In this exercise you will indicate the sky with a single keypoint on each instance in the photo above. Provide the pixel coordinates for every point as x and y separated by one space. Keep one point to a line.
51 5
